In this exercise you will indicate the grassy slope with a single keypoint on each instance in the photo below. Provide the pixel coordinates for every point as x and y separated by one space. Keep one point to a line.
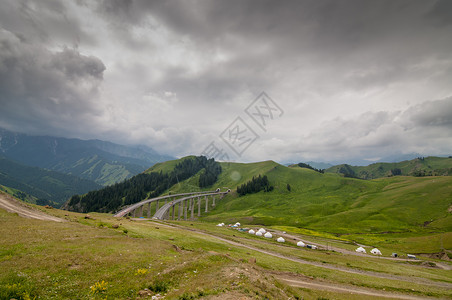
328 202
166 166
63 260
397 210
442 165
18 194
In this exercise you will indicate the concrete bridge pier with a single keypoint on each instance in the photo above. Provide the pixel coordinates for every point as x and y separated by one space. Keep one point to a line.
207 202
149 210
192 209
174 211
185 209
199 206
213 200
180 210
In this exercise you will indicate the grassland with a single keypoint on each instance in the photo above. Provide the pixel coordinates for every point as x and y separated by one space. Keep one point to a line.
330 203
400 213
424 165
101 257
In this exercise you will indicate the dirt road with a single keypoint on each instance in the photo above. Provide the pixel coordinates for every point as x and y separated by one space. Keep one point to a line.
12 205
343 289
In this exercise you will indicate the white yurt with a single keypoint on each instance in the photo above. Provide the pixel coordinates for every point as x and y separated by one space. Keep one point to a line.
238 224
280 239
262 230
360 250
259 233
220 225
301 244
251 231
375 251
268 235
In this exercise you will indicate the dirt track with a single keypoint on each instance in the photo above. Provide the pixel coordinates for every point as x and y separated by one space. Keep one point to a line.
12 205
343 289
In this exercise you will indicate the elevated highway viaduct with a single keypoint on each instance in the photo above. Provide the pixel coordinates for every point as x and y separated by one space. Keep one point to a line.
182 203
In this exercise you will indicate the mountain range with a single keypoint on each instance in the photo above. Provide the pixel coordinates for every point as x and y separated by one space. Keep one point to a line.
103 162
40 186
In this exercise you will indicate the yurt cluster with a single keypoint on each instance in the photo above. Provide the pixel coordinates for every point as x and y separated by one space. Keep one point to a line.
261 232
374 251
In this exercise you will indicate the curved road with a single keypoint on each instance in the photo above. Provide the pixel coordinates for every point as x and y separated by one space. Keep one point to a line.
12 205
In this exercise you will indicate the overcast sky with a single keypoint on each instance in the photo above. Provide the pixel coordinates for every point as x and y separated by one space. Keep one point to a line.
347 79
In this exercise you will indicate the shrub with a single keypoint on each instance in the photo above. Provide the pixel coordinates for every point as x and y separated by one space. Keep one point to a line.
159 286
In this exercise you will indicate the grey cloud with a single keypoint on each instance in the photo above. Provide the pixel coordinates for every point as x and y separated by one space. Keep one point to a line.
361 43
77 67
48 21
327 57
424 128
441 13
432 113
43 89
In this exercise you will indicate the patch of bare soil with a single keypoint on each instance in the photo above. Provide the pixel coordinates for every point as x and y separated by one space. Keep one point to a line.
440 255
230 295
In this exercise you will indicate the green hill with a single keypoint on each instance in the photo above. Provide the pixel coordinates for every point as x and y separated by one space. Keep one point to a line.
20 195
149 184
422 166
48 187
326 202
330 202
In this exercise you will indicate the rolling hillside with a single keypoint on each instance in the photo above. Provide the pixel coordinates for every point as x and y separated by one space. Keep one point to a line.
428 166
103 162
331 203
40 186
327 202
146 185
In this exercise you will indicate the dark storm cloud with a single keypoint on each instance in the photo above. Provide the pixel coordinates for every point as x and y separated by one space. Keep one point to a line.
352 75
42 90
362 43
441 13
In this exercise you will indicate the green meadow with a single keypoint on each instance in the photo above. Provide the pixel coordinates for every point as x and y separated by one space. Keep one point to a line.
101 257
403 213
